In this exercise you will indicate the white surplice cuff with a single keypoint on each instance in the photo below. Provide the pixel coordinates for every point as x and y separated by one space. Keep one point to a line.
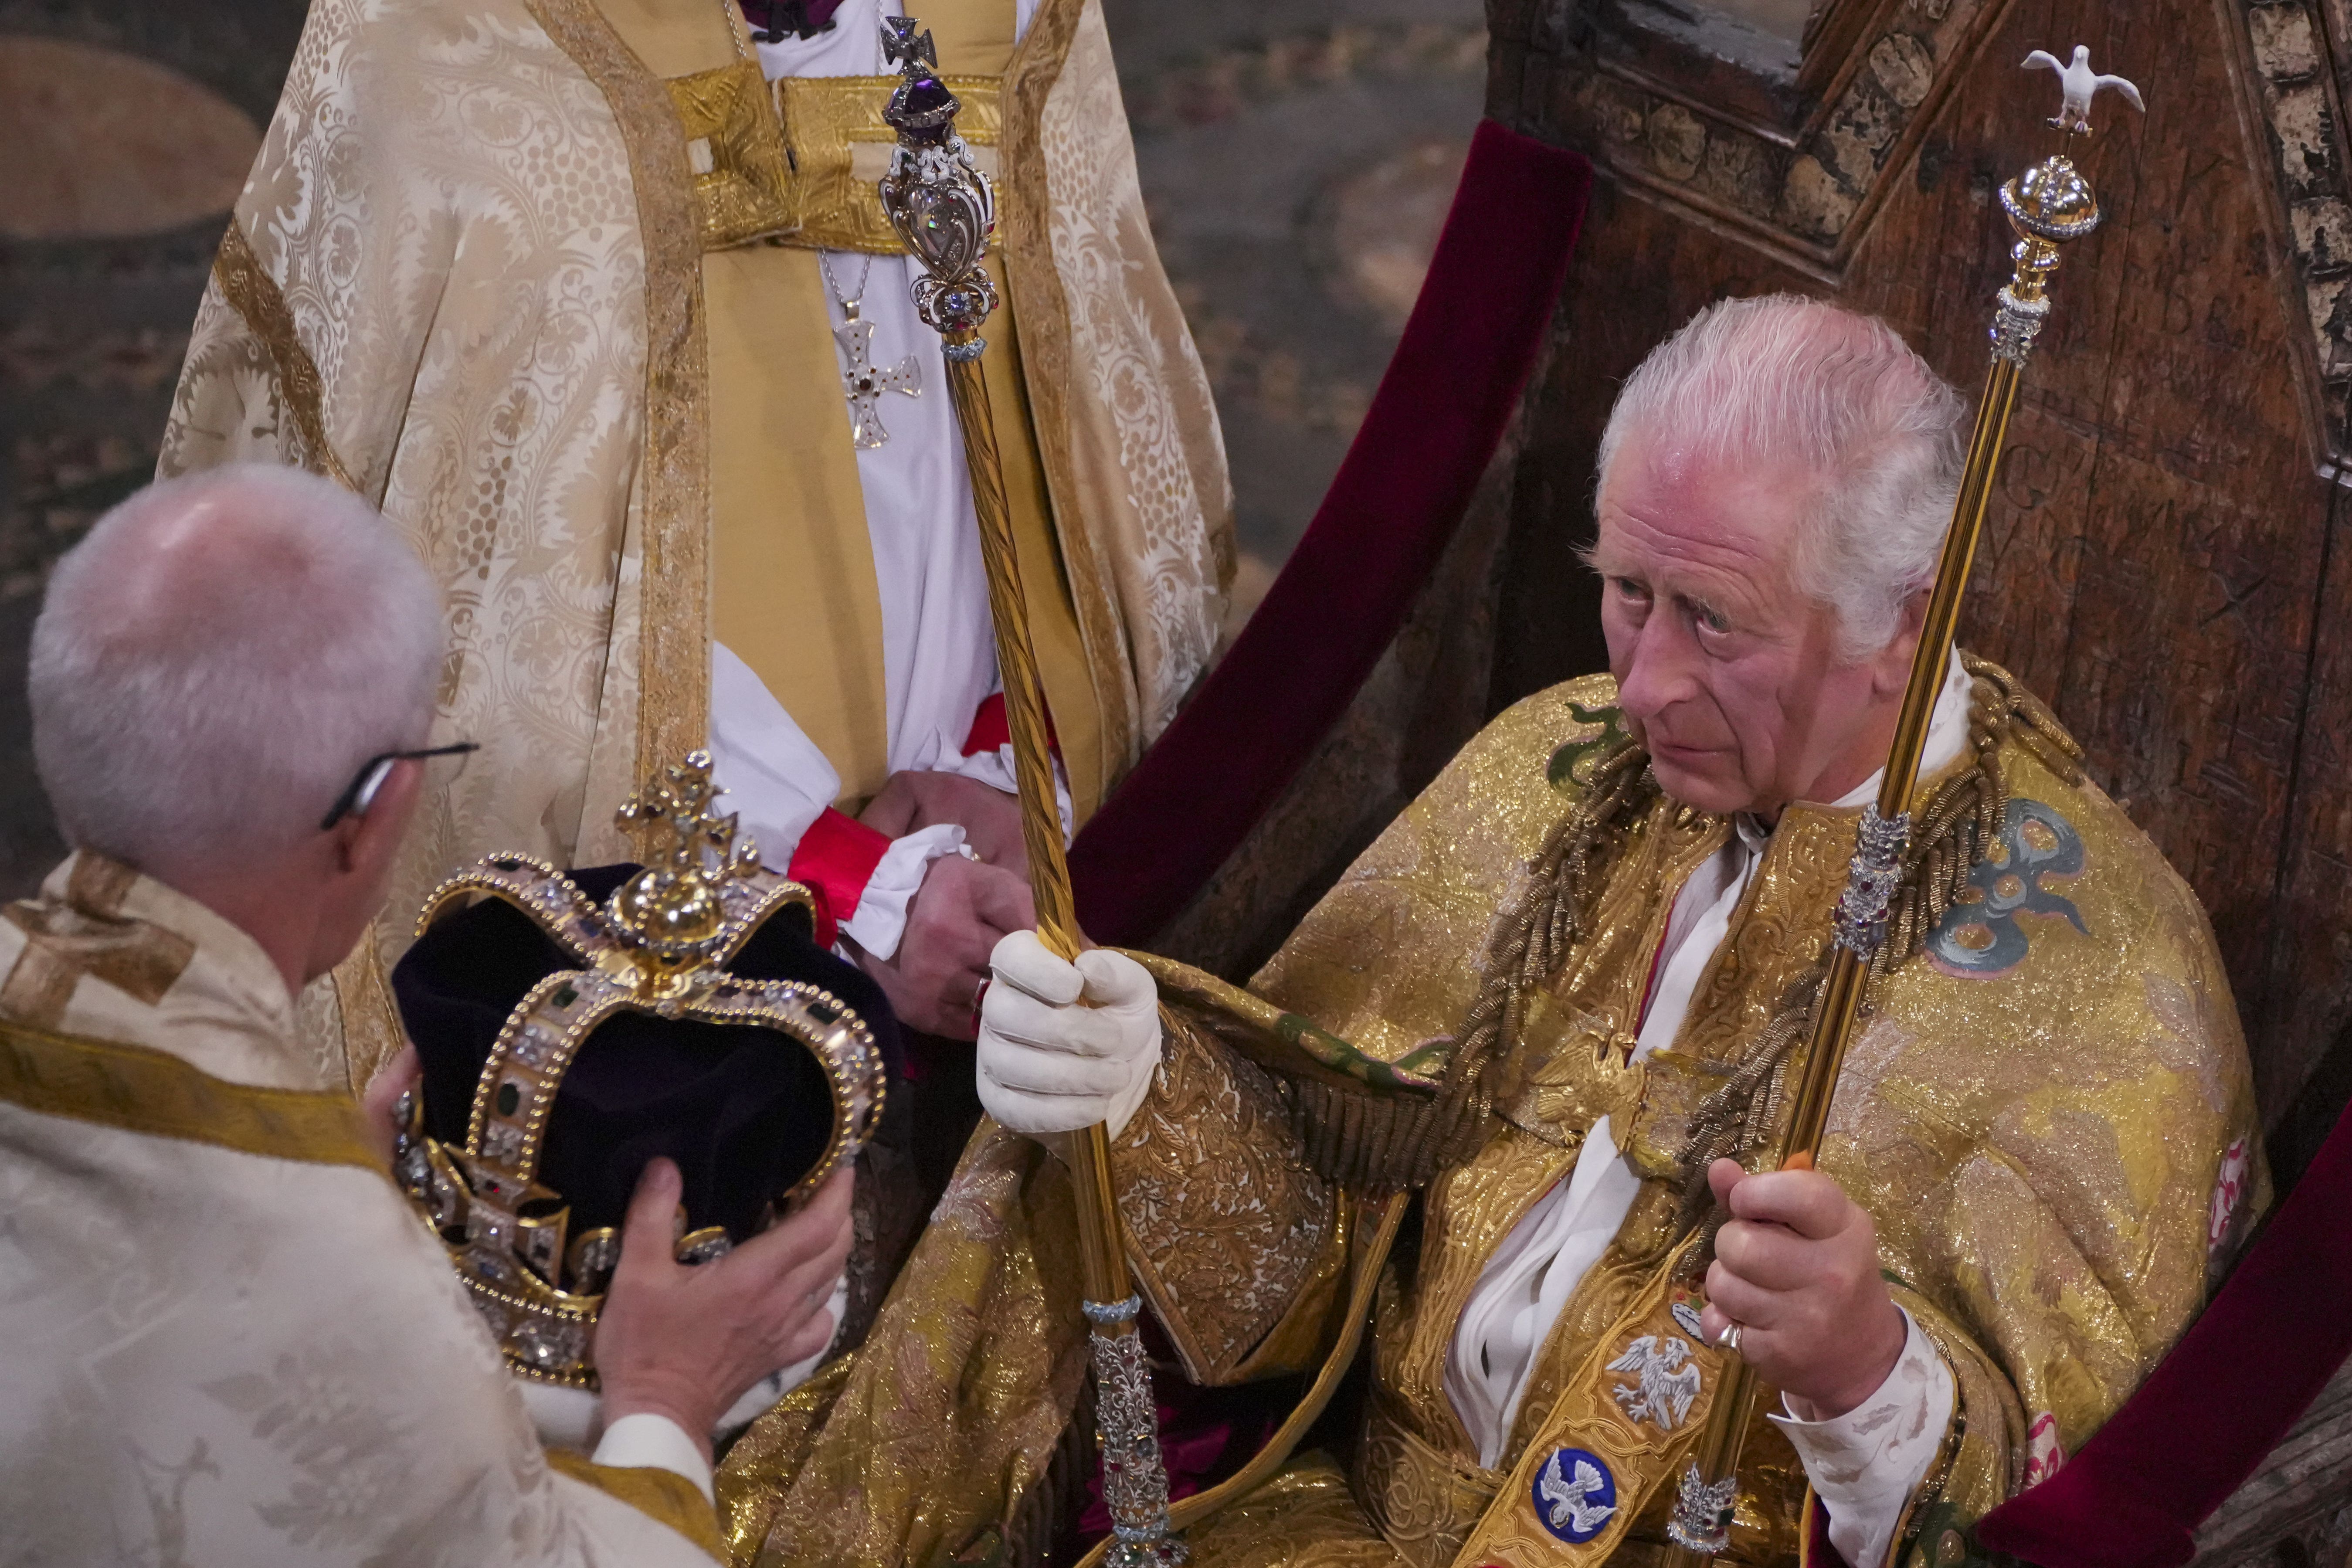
761 1396
645 1441
1866 1463
881 915
777 781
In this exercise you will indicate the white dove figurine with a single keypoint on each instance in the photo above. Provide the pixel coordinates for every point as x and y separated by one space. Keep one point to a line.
2079 85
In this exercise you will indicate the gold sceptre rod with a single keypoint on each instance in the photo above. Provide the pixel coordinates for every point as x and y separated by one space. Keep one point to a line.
941 205
2048 205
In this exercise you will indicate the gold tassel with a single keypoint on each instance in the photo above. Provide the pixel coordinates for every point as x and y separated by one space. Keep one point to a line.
1376 1141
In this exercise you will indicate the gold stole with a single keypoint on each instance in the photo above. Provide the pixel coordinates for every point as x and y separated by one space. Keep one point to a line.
793 593
1615 1410
1622 1427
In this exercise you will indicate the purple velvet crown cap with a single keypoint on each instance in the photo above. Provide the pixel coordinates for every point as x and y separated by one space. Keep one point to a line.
745 1111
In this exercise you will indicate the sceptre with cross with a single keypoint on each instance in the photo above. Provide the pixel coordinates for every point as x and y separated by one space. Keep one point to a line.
944 212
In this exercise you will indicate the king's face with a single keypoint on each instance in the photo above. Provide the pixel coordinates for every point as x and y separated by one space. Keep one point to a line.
1728 674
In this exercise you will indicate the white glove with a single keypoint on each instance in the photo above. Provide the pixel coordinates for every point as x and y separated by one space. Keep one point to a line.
1048 1064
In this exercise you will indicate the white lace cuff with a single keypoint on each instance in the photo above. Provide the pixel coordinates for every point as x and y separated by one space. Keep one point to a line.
650 1442
880 919
1866 1463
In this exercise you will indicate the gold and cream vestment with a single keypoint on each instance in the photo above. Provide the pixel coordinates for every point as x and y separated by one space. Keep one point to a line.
2043 1114
540 277
1874 1460
2048 1112
230 1341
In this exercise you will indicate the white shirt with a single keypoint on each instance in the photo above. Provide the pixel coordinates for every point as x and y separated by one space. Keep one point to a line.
1531 1276
938 656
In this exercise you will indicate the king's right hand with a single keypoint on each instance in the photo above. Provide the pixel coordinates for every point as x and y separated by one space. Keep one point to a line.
1063 1044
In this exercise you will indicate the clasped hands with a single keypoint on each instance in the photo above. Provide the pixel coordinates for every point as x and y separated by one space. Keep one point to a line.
963 907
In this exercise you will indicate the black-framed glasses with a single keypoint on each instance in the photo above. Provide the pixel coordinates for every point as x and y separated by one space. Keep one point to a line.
355 800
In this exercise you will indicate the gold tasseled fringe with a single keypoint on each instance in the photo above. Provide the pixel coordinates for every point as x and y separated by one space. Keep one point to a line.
1376 1139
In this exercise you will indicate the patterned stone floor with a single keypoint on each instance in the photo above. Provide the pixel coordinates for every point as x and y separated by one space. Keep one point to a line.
1296 156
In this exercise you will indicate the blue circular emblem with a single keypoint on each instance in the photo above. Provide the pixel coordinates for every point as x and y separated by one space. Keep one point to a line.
1575 1495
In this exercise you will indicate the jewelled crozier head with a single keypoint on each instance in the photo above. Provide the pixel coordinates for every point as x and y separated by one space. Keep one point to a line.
658 946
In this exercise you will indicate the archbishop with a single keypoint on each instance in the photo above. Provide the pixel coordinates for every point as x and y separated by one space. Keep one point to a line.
1557 1002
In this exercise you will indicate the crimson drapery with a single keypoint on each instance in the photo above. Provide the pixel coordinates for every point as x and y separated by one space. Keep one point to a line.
1428 436
2214 1407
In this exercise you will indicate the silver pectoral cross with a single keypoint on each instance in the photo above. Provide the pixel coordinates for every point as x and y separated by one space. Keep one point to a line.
865 384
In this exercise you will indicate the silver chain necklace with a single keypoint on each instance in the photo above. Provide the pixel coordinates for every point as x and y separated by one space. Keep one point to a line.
863 381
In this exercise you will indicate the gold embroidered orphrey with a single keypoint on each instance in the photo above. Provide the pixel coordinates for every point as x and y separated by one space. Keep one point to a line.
548 300
658 946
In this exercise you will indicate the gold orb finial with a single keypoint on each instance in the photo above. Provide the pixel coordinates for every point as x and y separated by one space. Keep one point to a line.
677 906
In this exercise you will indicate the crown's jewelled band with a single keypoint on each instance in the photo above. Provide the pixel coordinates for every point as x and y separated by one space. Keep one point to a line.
544 1331
533 886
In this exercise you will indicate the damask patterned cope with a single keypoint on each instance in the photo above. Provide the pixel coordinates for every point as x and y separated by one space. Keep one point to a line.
2040 1131
1144 450
511 371
483 237
355 1407
2162 563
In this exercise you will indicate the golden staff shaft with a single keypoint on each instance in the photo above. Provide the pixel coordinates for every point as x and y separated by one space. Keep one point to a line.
1841 990
944 212
1102 1262
1716 1461
2048 205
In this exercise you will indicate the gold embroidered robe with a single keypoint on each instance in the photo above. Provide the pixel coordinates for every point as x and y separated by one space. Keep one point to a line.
229 1339
2048 1112
535 276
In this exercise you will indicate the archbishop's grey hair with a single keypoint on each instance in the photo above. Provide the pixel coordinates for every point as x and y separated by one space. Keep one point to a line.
217 658
1749 381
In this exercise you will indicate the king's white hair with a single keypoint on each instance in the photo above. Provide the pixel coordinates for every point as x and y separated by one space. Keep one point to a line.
1782 378
217 659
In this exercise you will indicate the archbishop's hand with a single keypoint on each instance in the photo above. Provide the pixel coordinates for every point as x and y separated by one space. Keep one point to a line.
1061 1045
1797 1266
685 1340
957 916
381 1098
991 819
